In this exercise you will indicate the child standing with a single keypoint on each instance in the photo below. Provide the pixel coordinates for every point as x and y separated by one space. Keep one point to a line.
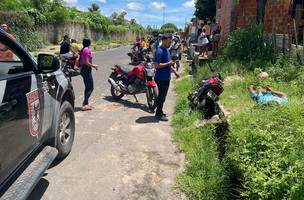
203 43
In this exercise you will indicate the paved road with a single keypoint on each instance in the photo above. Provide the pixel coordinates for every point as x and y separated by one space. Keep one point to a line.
119 151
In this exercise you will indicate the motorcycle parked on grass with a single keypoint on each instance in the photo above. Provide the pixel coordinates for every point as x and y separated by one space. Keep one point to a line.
136 81
205 97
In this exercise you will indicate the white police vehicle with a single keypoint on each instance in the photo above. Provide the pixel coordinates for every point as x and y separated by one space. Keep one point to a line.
37 122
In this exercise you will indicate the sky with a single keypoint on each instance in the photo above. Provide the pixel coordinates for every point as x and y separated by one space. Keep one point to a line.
146 12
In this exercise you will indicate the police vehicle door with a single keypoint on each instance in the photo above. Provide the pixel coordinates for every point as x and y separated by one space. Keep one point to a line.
21 107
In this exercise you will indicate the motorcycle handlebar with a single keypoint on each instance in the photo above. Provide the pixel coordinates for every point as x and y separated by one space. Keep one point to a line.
215 72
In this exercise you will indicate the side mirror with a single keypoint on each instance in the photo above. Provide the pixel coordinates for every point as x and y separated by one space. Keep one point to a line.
48 63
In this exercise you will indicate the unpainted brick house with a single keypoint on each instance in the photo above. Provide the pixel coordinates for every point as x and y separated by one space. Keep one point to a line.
279 16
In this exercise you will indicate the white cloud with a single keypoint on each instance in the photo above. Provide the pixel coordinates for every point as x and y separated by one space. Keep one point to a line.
189 4
71 1
158 5
135 6
102 1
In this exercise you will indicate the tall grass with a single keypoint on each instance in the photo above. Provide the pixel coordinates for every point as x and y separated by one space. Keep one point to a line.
204 177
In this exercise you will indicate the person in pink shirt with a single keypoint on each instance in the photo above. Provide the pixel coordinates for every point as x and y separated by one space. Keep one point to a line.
86 65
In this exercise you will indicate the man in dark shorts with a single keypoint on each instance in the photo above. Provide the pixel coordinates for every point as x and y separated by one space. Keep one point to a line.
65 47
163 65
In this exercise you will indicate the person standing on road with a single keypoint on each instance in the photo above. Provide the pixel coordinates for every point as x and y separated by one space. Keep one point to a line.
175 52
86 63
163 65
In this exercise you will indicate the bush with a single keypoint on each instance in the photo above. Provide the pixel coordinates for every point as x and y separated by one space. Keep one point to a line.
266 146
264 156
31 40
247 45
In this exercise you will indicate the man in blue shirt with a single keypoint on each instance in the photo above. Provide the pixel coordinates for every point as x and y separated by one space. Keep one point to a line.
267 96
163 65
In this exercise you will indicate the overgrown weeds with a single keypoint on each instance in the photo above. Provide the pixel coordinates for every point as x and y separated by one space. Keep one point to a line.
263 158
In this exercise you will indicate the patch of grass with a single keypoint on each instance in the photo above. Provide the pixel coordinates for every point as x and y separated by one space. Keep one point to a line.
204 177
264 149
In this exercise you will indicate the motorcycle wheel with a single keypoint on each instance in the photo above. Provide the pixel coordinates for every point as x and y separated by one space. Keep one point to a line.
116 94
152 94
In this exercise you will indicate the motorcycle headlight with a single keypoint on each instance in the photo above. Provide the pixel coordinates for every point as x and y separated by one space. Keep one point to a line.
150 72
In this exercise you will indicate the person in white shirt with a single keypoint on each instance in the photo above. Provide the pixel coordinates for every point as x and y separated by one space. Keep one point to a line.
203 43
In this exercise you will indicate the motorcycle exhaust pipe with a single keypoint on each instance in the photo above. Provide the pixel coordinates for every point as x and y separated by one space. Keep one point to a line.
114 84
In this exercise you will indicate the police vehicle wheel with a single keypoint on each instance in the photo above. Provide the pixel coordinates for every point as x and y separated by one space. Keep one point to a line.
65 130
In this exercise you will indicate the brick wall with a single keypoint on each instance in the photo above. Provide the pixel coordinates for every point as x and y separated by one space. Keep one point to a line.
245 12
276 14
224 17
277 18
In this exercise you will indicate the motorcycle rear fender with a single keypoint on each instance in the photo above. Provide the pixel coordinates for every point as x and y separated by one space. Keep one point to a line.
151 84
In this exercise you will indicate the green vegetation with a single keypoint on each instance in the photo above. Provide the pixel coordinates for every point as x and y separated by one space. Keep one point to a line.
168 28
248 46
27 15
263 157
204 175
205 9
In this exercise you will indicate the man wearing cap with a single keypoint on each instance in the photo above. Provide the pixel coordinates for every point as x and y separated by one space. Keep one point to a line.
5 53
163 65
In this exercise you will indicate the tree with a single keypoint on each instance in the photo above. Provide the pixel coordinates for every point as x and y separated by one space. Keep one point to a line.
169 28
94 8
149 29
205 9
133 21
121 17
59 2
40 5
114 16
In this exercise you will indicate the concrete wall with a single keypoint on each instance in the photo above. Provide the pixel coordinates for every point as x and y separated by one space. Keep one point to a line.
54 33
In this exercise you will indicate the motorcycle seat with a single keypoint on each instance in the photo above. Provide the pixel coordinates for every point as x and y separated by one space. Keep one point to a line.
124 68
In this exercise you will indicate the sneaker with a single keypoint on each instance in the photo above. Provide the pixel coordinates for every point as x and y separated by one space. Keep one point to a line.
164 114
151 110
162 118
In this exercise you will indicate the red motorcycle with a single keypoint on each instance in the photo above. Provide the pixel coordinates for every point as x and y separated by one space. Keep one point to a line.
136 81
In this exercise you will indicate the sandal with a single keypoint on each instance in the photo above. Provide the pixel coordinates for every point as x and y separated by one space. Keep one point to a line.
86 108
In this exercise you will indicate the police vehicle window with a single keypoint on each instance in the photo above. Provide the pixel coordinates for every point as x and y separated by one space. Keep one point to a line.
10 63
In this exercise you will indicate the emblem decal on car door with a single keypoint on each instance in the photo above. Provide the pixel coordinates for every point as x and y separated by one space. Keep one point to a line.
34 110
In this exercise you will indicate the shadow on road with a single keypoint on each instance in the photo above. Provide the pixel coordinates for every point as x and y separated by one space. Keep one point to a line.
127 103
77 109
39 190
147 120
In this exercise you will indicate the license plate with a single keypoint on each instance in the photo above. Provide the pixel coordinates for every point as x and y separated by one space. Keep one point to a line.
150 72
212 95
